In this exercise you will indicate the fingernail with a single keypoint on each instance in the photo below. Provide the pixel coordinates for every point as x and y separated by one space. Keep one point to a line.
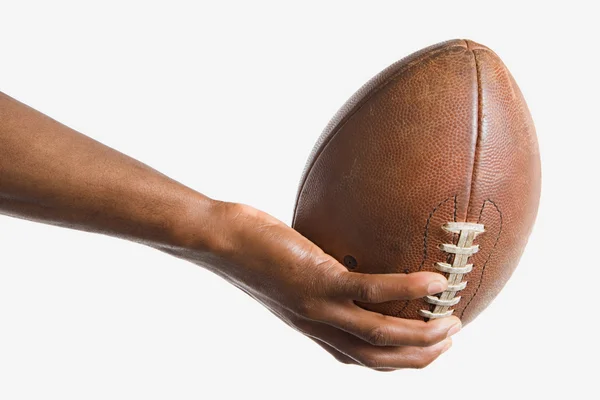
435 287
447 345
453 329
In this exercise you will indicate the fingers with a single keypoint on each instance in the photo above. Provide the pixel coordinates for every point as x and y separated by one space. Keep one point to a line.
375 357
377 329
405 357
355 335
379 288
382 330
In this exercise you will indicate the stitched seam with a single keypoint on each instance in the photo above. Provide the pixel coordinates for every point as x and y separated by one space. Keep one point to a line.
360 104
456 270
489 255
479 128
454 235
425 236
450 257
455 208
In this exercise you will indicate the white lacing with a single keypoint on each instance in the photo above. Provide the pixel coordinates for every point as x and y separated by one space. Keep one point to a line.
459 267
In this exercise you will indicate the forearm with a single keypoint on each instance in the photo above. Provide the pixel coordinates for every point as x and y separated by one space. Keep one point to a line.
53 174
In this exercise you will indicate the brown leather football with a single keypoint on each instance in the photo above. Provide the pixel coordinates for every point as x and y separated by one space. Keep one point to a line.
433 165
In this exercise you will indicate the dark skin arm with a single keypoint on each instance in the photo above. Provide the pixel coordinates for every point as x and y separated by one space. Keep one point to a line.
52 174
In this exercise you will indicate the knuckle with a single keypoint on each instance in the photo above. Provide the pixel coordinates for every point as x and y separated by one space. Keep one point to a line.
306 309
428 337
413 288
378 336
369 293
371 362
313 309
424 358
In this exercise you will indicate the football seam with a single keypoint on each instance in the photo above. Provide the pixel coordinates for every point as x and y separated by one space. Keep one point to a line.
426 236
476 157
489 255
479 129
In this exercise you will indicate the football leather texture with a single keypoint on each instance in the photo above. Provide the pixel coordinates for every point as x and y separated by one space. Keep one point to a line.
440 138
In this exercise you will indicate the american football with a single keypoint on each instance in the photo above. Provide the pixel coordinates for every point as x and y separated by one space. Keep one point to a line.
433 165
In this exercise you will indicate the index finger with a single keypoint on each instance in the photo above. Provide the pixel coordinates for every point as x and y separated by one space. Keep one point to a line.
379 288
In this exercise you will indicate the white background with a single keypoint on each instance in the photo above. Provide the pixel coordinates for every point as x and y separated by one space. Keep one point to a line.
229 98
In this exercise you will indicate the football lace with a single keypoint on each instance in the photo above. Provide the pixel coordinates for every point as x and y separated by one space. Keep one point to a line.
462 251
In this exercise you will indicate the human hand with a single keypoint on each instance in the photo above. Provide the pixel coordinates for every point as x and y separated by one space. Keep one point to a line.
313 293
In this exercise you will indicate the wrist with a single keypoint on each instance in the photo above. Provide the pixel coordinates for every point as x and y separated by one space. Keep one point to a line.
203 225
214 231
